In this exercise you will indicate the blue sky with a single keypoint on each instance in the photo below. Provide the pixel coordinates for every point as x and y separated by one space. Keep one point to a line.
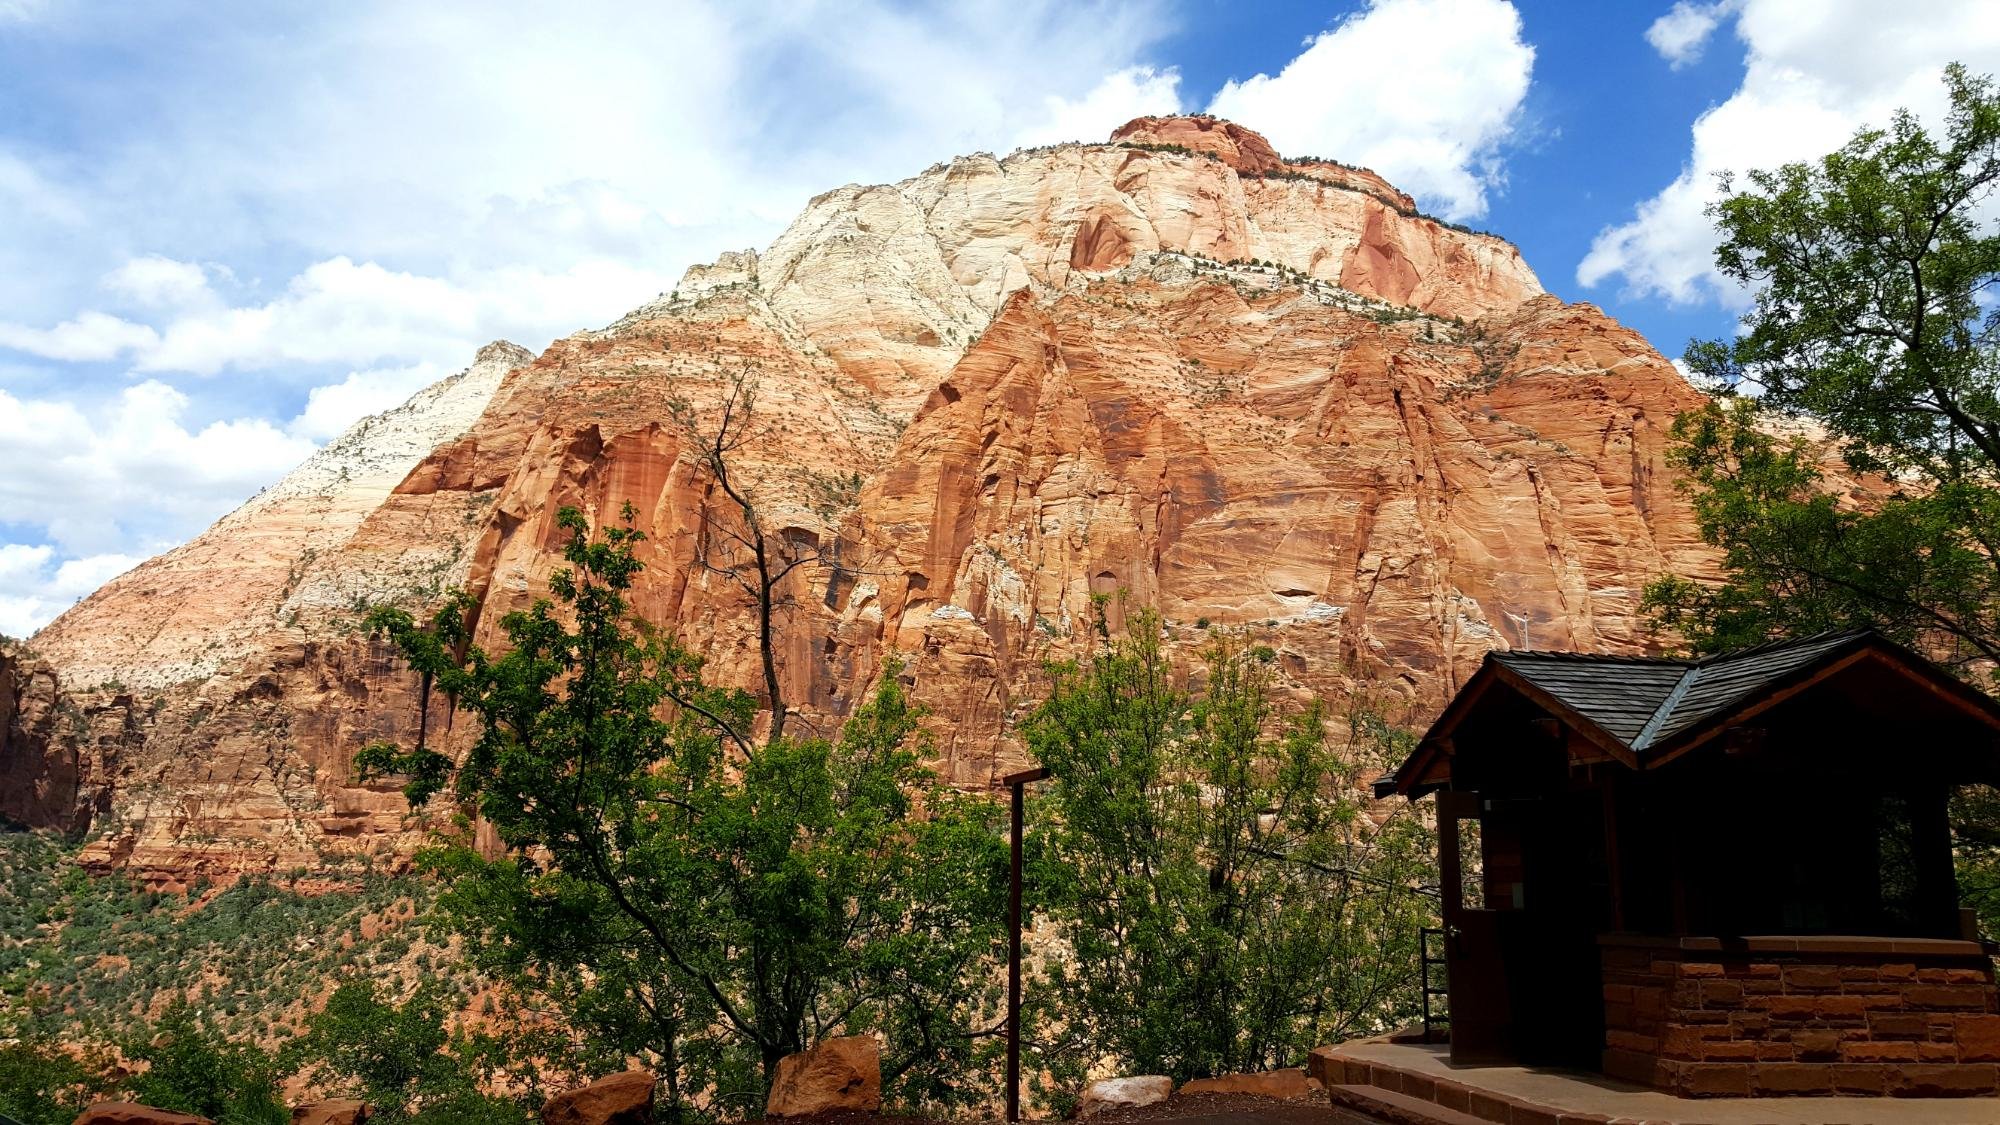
229 230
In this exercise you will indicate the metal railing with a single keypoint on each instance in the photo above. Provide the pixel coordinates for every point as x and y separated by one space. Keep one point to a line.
1429 939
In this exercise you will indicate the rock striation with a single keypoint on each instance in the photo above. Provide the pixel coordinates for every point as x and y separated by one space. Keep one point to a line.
1260 396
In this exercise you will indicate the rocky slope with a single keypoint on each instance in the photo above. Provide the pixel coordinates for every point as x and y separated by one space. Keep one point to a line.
1255 394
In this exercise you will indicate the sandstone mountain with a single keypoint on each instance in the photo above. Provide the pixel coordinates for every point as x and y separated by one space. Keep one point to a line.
1258 395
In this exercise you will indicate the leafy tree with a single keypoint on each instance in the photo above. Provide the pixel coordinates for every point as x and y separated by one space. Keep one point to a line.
400 1057
684 891
40 1085
1203 852
191 1068
1874 271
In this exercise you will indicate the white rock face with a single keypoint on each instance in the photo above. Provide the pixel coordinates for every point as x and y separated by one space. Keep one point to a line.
937 253
1124 1093
254 573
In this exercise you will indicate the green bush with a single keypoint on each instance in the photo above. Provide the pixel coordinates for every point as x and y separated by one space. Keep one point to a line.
39 1085
193 1069
1202 853
400 1058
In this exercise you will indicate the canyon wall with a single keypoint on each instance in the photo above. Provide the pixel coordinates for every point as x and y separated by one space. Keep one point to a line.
1259 396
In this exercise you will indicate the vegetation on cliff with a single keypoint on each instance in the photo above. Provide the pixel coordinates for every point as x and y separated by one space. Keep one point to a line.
204 1001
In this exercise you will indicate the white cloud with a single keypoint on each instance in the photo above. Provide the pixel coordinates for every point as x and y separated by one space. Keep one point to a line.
89 337
1816 71
1423 91
156 282
1135 91
331 409
1683 32
131 475
335 311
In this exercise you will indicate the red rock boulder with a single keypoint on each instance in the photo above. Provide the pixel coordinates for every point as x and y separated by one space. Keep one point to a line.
334 1111
617 1099
837 1074
132 1113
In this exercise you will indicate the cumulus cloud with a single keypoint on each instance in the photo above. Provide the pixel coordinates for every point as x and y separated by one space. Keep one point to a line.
1683 32
1455 73
330 409
90 336
132 472
1816 71
1135 91
156 282
454 172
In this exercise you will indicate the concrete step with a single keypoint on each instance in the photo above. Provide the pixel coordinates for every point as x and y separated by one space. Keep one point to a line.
1391 1108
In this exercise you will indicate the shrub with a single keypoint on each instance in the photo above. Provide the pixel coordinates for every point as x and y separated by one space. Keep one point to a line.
1203 854
192 1069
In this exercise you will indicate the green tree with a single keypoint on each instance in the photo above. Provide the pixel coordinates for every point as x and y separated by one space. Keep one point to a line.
1202 851
709 900
40 1085
191 1068
1874 271
401 1058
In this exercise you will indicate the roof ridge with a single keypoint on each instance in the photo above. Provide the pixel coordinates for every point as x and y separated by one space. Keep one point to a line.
1665 710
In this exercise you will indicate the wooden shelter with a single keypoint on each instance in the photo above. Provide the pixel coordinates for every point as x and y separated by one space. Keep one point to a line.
1722 876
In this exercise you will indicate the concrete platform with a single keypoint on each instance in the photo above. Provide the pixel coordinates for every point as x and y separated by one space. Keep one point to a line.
1415 1084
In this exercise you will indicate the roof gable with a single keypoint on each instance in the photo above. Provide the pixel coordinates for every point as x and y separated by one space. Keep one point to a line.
1645 702
1645 710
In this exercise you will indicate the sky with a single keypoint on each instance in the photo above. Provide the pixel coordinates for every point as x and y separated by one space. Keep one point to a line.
231 228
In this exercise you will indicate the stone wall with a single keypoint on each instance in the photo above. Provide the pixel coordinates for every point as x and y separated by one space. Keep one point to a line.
1771 1016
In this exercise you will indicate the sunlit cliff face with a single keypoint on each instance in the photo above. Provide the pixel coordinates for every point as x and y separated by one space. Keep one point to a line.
1257 396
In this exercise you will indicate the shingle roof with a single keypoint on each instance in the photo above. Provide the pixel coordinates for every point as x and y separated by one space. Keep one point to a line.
1644 701
1649 705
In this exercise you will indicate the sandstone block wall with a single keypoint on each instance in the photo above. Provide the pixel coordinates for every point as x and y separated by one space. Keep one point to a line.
1825 1016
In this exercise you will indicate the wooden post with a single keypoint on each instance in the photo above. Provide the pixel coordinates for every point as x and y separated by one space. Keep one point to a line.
1017 782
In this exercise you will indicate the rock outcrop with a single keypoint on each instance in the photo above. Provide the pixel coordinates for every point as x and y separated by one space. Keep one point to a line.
616 1099
1124 1093
1272 399
58 747
335 1111
836 1075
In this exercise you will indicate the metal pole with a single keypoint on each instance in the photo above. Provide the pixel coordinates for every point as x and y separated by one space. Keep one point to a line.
1017 782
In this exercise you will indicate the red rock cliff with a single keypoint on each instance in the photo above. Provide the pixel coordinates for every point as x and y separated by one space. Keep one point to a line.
990 391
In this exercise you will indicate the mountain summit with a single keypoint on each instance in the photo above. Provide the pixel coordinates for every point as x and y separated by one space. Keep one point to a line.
1253 393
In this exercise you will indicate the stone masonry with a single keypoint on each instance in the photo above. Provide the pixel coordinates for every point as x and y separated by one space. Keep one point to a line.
1773 1016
